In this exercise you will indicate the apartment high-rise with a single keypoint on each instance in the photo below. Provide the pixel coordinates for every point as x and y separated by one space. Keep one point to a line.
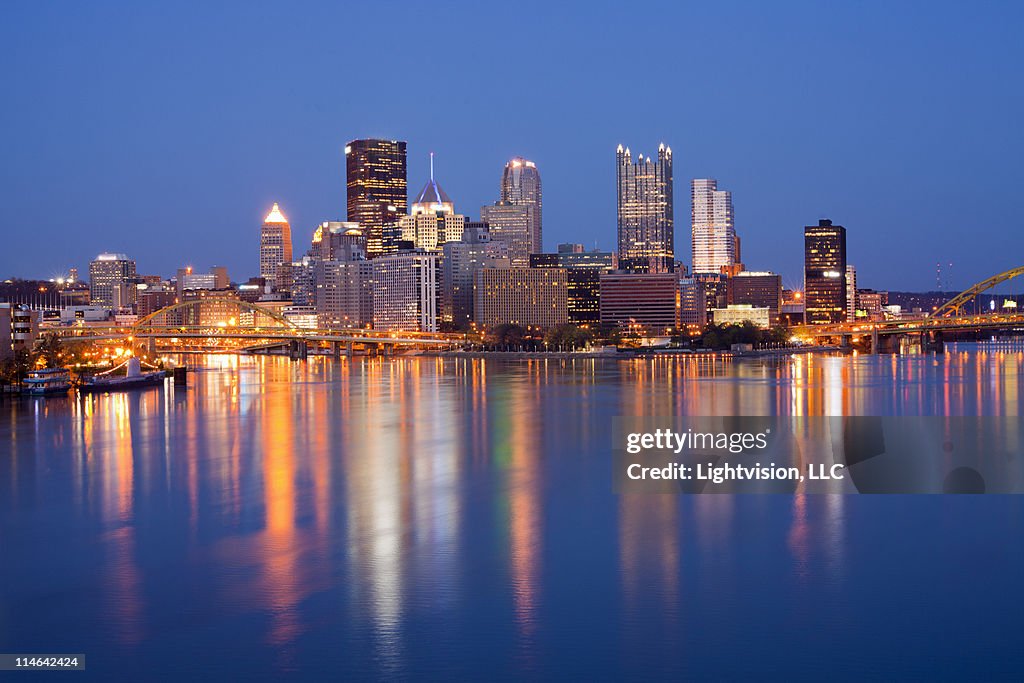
275 244
824 273
646 237
375 172
109 276
715 244
405 291
520 186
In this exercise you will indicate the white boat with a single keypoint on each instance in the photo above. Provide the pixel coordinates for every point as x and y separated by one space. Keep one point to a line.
48 382
132 379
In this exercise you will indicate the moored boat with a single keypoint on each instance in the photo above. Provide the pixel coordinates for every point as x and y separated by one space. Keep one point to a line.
48 382
134 378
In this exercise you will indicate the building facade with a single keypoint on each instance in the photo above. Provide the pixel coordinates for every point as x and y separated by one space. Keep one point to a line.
459 264
377 196
715 244
405 291
520 186
646 233
641 302
738 314
110 278
824 273
19 327
583 277
757 289
530 297
693 307
851 293
344 293
432 220
275 244
510 223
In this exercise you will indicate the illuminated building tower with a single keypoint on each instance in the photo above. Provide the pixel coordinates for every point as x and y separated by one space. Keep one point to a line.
645 215
109 276
851 293
375 174
405 291
275 244
530 297
510 223
715 245
432 220
520 186
583 278
824 273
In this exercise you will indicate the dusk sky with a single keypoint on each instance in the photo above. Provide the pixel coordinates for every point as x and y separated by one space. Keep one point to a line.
167 132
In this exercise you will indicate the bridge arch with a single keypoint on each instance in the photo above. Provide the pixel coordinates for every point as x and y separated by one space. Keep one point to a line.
241 305
954 305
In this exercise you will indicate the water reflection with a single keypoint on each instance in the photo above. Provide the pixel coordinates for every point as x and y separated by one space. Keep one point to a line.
383 501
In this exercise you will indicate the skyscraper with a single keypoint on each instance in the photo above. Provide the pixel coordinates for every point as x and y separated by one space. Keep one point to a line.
275 244
432 220
645 214
824 273
520 186
376 182
714 232
109 275
510 223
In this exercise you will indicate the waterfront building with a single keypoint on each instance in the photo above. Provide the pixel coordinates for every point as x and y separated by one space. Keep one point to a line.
758 289
520 186
824 273
530 297
646 234
737 314
693 308
275 244
375 172
583 277
459 263
851 293
715 244
642 302
405 291
112 280
344 293
296 281
871 304
511 224
19 327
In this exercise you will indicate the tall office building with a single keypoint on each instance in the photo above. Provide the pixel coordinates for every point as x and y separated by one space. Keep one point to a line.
459 263
715 245
757 289
824 273
338 241
275 244
432 220
510 223
645 214
583 278
520 186
405 291
375 174
110 276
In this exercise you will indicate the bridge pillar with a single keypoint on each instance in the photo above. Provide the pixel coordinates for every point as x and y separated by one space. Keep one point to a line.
151 346
336 350
844 340
350 349
874 340
387 349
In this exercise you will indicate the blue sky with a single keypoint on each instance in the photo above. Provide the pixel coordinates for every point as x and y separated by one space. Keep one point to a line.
166 132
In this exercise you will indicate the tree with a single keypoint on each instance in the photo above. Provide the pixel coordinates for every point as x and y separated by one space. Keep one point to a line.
506 333
568 336
14 368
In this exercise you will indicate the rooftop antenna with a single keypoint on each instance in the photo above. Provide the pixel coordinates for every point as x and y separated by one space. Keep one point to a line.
431 165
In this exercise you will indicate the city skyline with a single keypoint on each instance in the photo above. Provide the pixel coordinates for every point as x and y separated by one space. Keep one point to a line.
891 148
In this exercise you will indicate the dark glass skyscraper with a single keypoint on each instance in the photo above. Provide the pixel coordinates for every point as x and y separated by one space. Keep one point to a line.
375 173
824 273
646 219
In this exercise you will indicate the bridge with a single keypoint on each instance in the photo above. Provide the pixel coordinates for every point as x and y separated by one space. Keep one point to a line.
930 330
227 323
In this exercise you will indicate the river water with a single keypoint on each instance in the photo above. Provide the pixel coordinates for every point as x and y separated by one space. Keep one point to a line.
454 519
